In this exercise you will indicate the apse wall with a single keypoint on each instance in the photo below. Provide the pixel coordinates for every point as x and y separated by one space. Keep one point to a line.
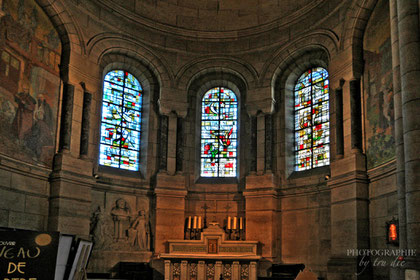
29 96
51 109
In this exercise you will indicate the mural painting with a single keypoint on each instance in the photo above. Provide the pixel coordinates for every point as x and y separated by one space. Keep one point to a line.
30 52
378 90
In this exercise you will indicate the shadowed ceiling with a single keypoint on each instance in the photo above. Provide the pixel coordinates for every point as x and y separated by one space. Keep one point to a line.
212 16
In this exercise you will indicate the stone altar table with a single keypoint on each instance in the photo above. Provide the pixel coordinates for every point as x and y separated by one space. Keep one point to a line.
210 257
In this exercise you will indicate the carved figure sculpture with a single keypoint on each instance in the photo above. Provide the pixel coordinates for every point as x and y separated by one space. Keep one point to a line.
139 233
121 217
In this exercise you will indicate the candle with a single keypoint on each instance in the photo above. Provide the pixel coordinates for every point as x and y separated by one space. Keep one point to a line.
189 222
228 223
234 222
241 226
199 222
195 222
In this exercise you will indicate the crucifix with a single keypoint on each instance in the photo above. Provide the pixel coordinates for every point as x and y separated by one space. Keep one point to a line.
205 207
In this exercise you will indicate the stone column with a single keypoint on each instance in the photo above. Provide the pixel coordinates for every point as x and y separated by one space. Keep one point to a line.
260 143
179 145
356 115
163 146
84 136
339 131
253 144
167 270
268 143
172 136
409 49
399 141
66 116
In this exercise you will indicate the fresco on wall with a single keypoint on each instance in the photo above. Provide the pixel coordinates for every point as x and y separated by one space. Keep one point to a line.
378 90
29 82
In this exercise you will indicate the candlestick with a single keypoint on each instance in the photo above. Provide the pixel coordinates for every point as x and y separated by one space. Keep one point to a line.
241 226
234 222
195 222
228 223
199 222
189 222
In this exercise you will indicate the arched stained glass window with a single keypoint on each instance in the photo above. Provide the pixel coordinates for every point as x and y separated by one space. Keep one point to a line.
312 126
219 133
121 121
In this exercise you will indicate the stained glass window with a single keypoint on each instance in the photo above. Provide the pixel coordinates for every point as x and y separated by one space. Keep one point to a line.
219 133
121 121
312 126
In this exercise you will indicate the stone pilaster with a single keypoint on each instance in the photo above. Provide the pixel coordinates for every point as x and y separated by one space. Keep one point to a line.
184 270
349 217
218 270
201 270
167 270
70 199
262 213
170 195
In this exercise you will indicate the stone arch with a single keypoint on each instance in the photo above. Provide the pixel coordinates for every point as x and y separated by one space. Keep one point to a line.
68 31
189 72
198 85
150 85
353 32
325 40
282 86
104 43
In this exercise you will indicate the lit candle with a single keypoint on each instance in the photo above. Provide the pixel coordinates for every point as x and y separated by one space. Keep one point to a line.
228 223
199 222
195 222
189 222
234 222
241 226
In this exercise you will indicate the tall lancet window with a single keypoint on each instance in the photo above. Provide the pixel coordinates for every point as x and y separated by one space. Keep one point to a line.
312 126
121 121
219 133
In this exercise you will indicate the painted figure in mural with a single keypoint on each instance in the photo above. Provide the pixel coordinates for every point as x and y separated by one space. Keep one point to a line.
139 232
24 113
40 134
121 217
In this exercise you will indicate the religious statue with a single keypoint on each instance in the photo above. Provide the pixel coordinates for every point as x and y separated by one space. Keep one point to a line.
101 229
139 233
121 217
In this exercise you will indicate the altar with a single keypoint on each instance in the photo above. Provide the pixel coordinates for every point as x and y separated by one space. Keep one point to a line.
210 257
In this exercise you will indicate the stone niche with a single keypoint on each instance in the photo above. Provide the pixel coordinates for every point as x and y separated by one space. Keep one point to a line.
210 257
